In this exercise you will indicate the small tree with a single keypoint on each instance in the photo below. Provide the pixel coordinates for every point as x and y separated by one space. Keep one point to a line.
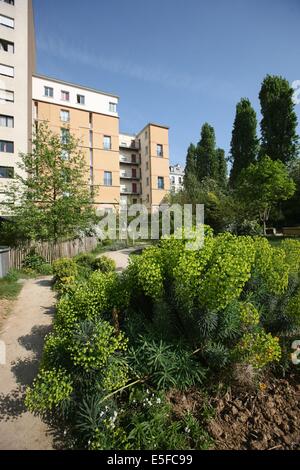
264 184
53 200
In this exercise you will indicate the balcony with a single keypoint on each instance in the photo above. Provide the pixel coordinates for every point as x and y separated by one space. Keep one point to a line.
127 176
129 161
133 145
127 191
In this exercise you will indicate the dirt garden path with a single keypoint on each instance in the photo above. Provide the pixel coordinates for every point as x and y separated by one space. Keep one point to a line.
23 334
121 257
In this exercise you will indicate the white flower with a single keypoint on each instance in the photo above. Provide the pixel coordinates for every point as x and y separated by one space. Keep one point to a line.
65 432
187 430
158 400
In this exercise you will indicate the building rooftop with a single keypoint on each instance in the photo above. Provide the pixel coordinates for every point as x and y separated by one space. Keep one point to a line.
56 80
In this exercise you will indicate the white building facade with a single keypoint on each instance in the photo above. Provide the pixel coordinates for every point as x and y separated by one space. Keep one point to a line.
176 178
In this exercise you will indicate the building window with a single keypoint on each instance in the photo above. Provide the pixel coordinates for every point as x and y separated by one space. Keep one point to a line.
146 150
65 95
146 135
6 121
7 71
148 198
133 158
160 182
91 138
147 165
65 136
107 142
91 119
173 179
64 115
147 181
180 180
112 107
107 178
159 150
10 2
6 95
48 91
6 172
7 21
6 146
7 46
81 99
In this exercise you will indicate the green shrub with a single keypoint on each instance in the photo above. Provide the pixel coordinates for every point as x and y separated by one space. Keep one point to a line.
33 260
103 264
45 269
50 389
85 259
259 349
65 271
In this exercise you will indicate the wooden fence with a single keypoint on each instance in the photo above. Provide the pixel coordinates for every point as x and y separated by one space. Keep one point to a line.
52 251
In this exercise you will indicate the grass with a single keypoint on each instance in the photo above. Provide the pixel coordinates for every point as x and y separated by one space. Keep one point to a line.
9 289
9 285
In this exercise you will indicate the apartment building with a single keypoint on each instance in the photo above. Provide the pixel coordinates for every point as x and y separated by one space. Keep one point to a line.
121 168
176 178
17 64
92 117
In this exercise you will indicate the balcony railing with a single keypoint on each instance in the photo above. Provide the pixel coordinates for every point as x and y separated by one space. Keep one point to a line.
128 192
129 177
129 161
133 145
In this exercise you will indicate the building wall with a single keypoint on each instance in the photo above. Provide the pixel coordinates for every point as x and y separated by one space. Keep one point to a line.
89 128
152 165
23 62
159 166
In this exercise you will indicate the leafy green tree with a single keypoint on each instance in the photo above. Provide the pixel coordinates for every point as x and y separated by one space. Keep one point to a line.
279 122
263 185
222 168
190 167
207 164
291 207
244 142
53 201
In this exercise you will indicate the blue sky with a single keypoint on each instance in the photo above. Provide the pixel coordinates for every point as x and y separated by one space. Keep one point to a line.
176 62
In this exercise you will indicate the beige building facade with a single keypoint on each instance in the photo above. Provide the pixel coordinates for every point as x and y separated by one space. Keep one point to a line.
121 168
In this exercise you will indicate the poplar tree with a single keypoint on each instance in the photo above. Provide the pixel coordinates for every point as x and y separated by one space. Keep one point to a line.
244 142
207 163
279 138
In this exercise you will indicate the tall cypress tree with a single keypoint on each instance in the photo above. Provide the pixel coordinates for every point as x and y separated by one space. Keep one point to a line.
244 142
222 168
190 167
279 122
206 163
